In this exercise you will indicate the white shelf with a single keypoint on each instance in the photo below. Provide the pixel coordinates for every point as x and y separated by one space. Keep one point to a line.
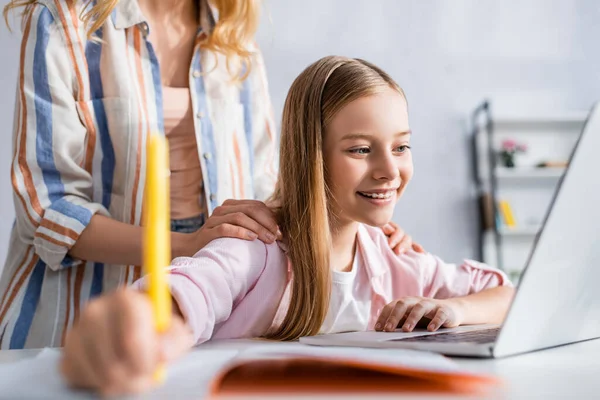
529 173
516 231
519 231
574 117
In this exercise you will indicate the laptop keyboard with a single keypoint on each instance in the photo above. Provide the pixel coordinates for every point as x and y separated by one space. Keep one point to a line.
476 336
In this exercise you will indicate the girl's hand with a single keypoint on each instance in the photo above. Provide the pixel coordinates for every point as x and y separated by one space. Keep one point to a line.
406 312
398 240
242 219
114 349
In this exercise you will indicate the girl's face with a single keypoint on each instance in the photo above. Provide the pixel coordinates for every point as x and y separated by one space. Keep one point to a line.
367 158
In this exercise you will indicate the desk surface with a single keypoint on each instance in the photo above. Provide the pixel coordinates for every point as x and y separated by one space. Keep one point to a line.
571 371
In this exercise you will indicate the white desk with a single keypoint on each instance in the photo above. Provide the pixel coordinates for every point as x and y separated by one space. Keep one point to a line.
565 372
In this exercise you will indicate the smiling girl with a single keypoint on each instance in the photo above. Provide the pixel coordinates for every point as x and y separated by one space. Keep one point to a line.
346 160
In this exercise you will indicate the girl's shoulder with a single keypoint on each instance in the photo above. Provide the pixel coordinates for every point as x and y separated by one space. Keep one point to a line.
378 254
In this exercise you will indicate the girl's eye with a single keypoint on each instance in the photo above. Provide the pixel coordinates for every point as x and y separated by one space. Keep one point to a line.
361 151
402 149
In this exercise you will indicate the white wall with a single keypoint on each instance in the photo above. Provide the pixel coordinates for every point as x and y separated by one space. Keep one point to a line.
447 55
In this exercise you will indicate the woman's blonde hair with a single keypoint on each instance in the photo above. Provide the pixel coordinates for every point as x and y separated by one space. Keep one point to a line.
302 191
231 35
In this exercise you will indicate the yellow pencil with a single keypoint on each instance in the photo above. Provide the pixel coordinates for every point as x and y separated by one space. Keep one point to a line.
157 234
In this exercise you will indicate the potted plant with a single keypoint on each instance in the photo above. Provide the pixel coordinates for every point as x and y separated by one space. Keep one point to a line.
510 148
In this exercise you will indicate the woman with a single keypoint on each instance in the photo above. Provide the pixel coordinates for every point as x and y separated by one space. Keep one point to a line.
95 79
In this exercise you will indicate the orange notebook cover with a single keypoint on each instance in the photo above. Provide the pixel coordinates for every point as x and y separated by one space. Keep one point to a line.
358 371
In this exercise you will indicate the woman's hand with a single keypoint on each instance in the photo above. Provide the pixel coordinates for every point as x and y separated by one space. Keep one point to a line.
406 312
398 240
242 219
114 349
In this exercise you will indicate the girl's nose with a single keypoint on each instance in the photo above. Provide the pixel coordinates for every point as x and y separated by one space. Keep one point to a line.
385 168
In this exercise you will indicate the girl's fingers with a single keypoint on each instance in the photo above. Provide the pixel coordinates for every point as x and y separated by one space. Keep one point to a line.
417 312
97 341
135 335
176 341
438 320
383 316
76 366
131 385
397 314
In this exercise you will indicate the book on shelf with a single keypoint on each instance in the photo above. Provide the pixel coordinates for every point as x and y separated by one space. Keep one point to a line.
507 213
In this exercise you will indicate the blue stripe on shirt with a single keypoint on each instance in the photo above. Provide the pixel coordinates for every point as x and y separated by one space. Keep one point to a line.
43 109
43 115
206 132
28 306
157 87
81 214
93 55
246 103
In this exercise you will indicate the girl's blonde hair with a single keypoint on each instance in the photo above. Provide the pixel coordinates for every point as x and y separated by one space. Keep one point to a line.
302 192
231 35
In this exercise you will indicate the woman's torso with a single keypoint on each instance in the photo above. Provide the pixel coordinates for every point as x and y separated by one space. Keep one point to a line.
118 99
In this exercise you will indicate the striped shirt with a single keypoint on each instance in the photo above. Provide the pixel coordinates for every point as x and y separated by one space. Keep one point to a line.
84 110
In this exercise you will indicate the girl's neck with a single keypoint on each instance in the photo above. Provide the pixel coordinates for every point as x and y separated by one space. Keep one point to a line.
343 246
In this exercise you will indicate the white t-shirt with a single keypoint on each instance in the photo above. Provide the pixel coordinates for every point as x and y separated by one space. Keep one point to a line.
350 304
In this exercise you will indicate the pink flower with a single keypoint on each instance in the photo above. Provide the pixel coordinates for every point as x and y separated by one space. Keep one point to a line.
522 147
509 145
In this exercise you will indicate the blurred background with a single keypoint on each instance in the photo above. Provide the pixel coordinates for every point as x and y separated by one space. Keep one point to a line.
536 62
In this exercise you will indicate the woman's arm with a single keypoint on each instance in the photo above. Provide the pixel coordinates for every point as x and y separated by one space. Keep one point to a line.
109 241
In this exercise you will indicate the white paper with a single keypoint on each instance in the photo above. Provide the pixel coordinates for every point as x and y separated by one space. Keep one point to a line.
39 377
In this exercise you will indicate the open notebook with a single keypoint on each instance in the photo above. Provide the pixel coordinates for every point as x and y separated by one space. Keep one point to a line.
264 368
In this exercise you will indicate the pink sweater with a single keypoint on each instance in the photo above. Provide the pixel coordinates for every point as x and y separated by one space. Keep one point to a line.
234 288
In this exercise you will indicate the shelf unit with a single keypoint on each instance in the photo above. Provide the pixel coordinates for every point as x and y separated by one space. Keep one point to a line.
550 137
529 173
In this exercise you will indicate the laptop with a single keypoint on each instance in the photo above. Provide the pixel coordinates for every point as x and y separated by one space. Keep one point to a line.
558 299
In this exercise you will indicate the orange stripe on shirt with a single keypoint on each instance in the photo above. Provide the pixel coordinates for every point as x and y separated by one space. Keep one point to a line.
89 123
18 285
232 174
238 159
22 153
61 230
137 273
51 239
12 279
